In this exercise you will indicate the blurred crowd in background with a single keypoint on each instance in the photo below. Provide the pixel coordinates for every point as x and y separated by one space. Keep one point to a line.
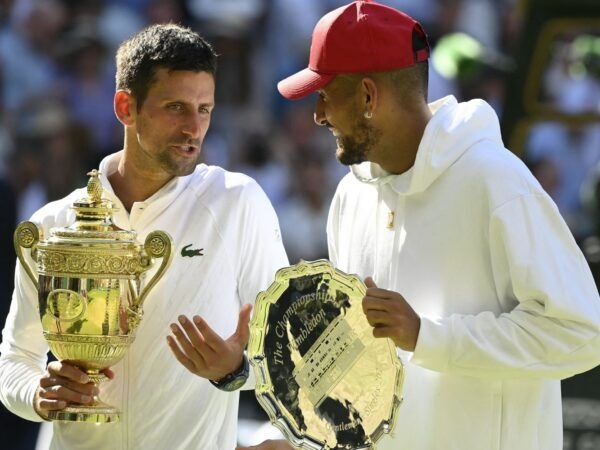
57 85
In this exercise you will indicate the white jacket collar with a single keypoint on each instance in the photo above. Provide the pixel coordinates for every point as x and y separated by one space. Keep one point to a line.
453 128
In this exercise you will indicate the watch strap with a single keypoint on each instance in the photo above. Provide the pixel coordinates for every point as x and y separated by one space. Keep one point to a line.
235 379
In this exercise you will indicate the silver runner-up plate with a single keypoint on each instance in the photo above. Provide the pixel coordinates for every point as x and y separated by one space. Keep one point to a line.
321 376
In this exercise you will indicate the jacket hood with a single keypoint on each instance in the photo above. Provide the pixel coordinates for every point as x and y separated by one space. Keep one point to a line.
452 130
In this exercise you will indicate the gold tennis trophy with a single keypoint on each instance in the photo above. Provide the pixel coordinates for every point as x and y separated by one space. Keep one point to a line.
89 297
321 376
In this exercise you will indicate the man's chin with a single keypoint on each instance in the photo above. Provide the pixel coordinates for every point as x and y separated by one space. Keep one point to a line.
348 159
188 169
182 170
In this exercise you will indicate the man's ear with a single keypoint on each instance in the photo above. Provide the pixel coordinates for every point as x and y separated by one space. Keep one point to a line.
369 94
125 107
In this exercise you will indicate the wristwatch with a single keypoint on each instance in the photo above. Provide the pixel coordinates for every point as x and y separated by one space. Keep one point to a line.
235 379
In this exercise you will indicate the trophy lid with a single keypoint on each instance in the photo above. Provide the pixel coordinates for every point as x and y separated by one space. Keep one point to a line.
93 246
93 217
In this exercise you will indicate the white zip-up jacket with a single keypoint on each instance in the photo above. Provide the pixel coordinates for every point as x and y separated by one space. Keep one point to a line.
226 216
507 303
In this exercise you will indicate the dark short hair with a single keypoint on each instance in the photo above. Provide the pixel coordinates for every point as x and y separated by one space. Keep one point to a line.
406 82
168 46
415 79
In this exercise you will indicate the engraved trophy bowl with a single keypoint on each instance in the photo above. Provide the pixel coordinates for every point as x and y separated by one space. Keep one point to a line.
89 297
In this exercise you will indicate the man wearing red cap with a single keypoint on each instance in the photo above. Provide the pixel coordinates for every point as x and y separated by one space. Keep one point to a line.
479 282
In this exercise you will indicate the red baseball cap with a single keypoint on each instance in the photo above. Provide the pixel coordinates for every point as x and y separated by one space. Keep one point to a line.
361 37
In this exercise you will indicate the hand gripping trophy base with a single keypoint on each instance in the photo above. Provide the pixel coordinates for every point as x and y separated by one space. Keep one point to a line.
91 354
95 412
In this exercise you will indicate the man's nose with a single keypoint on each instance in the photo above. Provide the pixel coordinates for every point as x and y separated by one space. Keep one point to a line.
194 125
319 115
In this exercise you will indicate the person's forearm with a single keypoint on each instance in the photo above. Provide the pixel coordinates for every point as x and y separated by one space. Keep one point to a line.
19 379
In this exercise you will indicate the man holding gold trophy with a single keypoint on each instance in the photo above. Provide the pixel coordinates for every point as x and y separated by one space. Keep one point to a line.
106 302
469 267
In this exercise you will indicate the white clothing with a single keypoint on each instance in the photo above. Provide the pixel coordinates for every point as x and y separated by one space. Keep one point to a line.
163 405
507 303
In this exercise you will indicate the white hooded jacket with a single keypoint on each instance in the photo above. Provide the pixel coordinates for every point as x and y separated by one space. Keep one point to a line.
507 303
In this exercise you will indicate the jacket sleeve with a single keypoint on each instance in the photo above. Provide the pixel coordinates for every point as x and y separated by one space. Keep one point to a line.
23 350
551 324
261 249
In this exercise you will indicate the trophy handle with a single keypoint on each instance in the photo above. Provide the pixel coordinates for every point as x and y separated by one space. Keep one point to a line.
27 235
158 244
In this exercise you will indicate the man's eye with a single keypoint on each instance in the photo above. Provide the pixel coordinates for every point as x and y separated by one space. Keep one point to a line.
176 107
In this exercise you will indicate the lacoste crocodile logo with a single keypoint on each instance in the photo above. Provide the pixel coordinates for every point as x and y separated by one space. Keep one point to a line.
191 252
